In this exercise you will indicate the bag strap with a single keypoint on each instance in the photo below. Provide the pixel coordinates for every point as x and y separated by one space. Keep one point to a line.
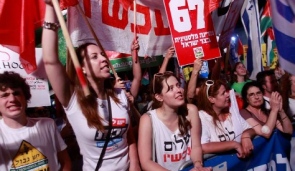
154 158
107 137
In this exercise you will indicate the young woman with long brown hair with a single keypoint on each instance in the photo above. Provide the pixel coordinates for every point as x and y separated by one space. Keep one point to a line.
171 131
100 121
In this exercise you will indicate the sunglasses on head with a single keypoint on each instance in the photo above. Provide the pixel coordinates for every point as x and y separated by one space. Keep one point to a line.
208 83
160 75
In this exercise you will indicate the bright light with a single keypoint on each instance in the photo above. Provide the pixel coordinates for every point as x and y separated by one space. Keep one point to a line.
233 38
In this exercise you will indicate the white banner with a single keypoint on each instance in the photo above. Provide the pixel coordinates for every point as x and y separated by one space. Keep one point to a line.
114 26
9 61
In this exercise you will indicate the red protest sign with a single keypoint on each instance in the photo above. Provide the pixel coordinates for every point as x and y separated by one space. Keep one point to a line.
192 30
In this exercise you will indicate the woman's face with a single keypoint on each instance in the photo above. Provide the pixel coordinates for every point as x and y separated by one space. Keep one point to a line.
241 70
172 93
95 64
254 97
221 100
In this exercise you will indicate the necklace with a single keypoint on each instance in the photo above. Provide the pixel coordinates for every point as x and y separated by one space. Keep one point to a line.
101 103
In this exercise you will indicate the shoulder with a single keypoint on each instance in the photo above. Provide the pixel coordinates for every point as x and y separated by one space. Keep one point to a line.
192 111
192 107
42 122
145 121
204 116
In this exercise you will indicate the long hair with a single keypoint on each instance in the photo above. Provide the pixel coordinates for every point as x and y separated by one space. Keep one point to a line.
245 89
88 104
158 84
234 77
205 104
286 90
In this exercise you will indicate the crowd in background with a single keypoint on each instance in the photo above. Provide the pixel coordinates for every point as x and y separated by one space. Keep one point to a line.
150 127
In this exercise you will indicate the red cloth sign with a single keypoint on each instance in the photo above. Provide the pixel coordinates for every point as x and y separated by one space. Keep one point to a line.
18 20
192 30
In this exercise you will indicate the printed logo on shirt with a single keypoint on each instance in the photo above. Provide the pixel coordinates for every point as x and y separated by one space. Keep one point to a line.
177 149
29 158
226 135
119 128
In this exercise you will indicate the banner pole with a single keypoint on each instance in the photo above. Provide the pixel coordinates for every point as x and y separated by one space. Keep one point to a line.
70 46
135 54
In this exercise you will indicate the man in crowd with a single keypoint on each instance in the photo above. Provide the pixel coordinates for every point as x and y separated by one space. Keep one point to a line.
27 143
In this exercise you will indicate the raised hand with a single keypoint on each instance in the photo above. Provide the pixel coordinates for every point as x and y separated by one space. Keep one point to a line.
275 101
170 52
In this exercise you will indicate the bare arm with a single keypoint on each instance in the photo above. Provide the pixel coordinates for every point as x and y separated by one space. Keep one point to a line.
219 147
196 154
271 119
136 71
145 145
246 141
55 71
64 160
284 124
168 56
191 89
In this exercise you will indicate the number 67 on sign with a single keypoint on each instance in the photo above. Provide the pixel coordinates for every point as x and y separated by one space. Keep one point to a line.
192 30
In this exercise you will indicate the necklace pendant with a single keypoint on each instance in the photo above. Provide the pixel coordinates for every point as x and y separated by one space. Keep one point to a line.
102 105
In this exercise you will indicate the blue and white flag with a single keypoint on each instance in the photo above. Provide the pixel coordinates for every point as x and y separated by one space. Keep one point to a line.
283 16
251 23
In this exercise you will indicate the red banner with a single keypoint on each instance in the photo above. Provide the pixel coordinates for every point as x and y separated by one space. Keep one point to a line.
192 30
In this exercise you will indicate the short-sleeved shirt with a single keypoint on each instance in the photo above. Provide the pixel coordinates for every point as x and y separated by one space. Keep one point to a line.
31 147
238 87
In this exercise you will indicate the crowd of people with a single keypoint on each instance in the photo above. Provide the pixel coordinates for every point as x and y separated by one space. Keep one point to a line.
174 124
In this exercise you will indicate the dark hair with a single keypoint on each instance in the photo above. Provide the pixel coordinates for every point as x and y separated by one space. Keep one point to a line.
286 90
14 80
88 104
234 77
158 82
245 89
260 77
205 104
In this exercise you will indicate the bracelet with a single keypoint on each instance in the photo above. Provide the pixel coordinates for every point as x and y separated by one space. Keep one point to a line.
283 118
50 26
245 137
195 72
201 163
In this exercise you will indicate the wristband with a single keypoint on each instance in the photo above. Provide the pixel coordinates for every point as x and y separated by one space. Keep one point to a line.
51 26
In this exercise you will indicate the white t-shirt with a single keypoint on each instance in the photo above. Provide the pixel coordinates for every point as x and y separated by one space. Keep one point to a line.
91 141
292 107
231 129
172 150
267 102
32 147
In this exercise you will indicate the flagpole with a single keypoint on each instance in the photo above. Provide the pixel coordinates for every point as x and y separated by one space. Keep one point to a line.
135 55
96 38
71 48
